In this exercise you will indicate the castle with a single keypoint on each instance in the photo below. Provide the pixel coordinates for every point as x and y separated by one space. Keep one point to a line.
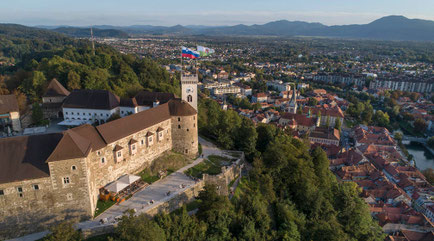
51 177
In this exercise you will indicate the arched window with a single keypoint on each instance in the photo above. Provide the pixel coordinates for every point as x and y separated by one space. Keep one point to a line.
189 98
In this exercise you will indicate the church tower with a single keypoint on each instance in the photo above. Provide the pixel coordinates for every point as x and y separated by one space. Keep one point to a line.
189 89
293 104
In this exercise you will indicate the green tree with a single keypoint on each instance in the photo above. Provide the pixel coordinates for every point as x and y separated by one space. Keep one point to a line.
312 102
63 232
429 175
132 228
420 125
246 138
381 118
338 124
217 212
37 115
73 80
181 226
398 137
431 142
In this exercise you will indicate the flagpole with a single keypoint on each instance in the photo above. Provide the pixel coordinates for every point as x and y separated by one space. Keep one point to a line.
181 62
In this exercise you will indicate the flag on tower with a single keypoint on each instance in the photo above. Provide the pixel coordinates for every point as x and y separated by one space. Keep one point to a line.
204 51
189 53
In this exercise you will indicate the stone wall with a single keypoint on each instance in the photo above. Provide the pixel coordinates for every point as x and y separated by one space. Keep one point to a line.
223 179
167 206
18 212
103 173
185 135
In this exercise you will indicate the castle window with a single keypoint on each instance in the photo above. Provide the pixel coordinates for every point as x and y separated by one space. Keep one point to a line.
133 148
102 160
98 153
189 98
179 126
179 118
118 153
66 113
66 180
2 193
89 113
142 142
188 129
20 189
74 168
72 113
194 124
35 187
194 117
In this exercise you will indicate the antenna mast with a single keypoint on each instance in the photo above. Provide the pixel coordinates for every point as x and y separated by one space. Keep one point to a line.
93 43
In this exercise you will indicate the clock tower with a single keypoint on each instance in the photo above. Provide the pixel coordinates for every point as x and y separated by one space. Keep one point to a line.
189 89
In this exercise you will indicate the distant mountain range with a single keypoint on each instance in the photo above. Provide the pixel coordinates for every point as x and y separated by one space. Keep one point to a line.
386 28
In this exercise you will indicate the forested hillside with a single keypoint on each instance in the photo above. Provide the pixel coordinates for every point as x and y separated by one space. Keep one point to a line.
290 194
39 56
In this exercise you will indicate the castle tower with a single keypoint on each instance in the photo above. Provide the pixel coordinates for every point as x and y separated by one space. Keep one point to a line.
293 104
189 89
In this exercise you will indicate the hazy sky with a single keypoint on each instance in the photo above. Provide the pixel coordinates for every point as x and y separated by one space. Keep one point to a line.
195 12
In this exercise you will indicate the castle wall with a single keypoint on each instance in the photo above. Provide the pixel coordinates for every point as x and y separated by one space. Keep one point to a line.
19 212
185 135
72 196
103 173
34 210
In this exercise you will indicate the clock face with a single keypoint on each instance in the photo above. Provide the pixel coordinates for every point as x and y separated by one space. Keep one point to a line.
190 90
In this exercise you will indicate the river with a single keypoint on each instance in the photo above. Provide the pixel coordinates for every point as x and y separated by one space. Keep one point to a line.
424 159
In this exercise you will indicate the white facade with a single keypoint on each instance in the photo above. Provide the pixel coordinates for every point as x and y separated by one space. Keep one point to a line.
279 85
87 115
189 89
226 90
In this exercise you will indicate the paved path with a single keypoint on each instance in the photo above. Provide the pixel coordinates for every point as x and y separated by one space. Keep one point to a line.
157 191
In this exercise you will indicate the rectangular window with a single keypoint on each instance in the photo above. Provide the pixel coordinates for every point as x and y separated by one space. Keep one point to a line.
19 189
35 187
2 193
142 142
133 147
102 160
66 180
119 154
